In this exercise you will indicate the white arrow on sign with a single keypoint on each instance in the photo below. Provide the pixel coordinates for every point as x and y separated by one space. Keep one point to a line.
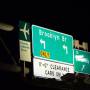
42 42
81 58
65 48
82 67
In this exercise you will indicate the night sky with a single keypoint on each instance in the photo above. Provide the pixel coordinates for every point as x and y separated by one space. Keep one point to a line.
73 21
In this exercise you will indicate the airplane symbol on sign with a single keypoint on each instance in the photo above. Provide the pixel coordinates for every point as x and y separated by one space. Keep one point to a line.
25 31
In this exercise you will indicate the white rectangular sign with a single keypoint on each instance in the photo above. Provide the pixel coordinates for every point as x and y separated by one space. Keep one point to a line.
48 69
25 51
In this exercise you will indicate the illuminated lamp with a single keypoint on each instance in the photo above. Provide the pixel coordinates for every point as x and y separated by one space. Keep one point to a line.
6 27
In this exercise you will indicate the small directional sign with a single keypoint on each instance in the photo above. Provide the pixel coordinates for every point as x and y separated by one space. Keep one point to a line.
24 40
24 31
81 61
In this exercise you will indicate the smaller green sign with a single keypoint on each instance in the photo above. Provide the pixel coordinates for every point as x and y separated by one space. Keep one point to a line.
24 31
81 61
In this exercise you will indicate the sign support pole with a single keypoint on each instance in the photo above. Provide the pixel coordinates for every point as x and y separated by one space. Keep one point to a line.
24 69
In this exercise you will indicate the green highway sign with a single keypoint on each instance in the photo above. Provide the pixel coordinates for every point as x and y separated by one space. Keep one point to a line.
24 31
81 61
52 45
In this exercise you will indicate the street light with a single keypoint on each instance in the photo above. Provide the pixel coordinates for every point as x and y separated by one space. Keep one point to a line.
6 27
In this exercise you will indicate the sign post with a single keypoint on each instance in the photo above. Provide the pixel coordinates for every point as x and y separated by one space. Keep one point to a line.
25 44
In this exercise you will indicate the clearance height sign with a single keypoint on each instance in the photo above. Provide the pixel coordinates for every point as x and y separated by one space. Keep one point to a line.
46 69
56 48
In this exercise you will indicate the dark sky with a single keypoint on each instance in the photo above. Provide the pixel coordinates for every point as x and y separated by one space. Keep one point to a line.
73 21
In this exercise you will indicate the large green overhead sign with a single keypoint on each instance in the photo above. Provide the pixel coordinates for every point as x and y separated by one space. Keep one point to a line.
81 61
52 45
24 41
